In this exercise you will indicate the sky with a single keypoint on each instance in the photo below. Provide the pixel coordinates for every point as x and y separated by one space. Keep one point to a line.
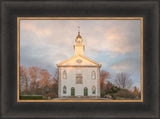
113 43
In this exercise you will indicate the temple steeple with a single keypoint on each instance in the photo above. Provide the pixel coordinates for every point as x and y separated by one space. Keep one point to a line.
78 46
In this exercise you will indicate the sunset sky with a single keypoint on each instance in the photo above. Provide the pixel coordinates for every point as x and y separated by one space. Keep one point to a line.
113 43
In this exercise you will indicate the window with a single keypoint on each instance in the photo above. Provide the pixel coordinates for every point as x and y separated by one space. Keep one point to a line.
64 90
79 79
93 75
93 90
64 74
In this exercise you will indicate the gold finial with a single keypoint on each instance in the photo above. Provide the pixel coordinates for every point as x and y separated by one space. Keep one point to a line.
78 36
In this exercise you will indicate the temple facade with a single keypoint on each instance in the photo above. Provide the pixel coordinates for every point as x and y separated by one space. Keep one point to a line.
79 76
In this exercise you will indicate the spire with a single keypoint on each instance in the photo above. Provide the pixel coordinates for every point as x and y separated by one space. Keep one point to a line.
78 46
78 29
79 36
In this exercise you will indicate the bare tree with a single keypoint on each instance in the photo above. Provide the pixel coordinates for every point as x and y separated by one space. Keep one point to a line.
123 80
56 76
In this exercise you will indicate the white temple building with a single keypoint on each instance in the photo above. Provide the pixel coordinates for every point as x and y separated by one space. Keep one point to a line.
79 76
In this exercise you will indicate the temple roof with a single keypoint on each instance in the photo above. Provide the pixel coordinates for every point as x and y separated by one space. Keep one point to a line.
79 60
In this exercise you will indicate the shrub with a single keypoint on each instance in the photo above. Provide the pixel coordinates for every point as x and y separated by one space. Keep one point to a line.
52 95
110 89
103 93
114 89
123 93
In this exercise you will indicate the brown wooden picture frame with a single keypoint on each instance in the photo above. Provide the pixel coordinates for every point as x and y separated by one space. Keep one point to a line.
148 9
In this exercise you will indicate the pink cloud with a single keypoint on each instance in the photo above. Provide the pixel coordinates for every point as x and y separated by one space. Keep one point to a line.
120 39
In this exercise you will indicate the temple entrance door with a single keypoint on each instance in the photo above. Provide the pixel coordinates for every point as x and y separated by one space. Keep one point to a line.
72 91
85 91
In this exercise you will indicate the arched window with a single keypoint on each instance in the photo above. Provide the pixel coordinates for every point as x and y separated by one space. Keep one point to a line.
93 90
64 90
64 74
93 75
79 79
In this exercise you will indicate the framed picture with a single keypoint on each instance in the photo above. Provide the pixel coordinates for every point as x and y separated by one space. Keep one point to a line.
83 59
80 79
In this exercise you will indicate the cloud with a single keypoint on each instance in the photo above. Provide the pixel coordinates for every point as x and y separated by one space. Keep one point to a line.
128 64
123 38
41 45
33 28
113 43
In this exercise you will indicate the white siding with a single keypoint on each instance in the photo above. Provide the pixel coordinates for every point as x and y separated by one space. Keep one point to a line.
79 88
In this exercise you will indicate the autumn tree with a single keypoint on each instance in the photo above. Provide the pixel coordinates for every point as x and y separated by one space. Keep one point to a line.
136 91
24 79
34 74
44 76
103 76
108 87
51 82
54 82
54 79
38 87
123 80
